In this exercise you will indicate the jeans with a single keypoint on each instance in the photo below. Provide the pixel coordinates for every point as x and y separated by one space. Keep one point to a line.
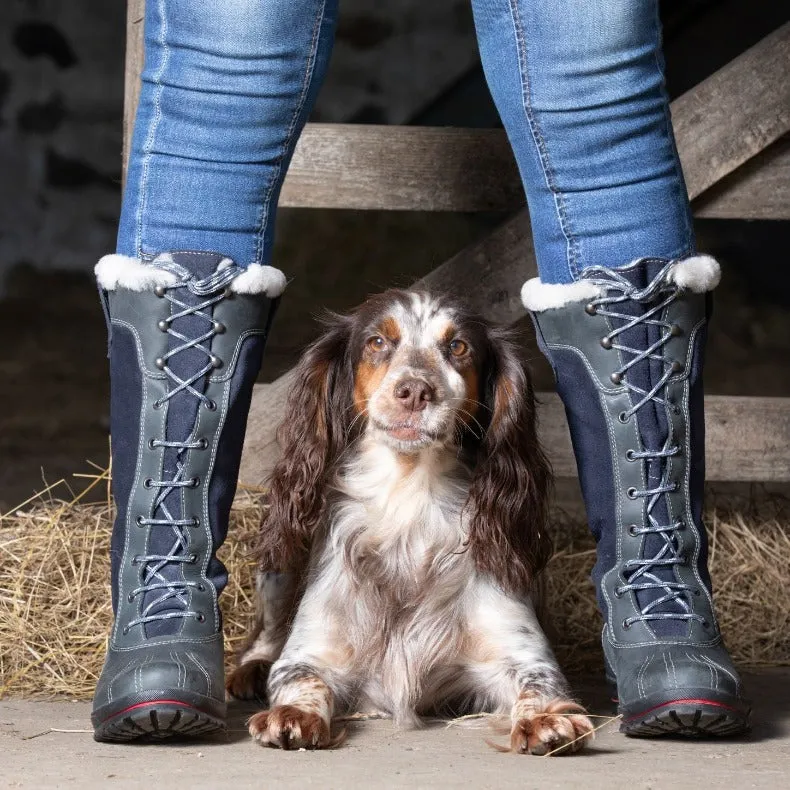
579 86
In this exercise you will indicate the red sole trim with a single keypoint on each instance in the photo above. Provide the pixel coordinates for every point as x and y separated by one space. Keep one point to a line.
154 703
708 702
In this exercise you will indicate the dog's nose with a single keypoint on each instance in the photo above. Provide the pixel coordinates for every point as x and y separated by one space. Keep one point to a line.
414 394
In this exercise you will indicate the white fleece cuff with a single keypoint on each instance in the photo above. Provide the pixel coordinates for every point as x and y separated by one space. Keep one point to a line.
114 272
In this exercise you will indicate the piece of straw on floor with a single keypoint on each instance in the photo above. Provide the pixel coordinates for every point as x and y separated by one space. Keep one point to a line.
55 609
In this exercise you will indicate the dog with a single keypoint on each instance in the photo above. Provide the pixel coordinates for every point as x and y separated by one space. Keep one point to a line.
407 521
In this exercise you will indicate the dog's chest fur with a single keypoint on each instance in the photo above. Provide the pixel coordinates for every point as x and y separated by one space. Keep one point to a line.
394 558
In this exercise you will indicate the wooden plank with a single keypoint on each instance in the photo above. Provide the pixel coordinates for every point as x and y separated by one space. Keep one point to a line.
759 189
747 438
135 12
402 168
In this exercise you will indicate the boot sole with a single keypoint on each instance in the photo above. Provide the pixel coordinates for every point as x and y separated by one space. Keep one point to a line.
158 720
690 718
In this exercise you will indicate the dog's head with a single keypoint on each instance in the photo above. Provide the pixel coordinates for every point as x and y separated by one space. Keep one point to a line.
419 374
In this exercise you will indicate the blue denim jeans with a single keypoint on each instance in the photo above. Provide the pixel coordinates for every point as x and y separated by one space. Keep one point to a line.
579 85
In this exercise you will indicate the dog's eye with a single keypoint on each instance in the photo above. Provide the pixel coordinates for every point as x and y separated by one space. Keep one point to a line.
377 343
458 348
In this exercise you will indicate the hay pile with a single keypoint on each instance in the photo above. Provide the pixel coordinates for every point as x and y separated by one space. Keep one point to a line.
55 603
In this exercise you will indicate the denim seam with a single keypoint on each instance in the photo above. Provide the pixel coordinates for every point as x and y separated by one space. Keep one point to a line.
289 143
540 144
149 140
680 182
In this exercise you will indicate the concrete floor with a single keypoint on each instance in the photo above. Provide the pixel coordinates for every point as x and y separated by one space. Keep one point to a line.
376 756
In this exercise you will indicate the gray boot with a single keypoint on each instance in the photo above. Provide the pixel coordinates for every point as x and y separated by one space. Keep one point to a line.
187 333
627 350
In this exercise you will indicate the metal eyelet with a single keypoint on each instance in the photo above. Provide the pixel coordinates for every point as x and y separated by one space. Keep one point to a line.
626 625
211 405
618 593
156 405
160 290
160 362
629 455
616 378
633 530
696 591
130 597
139 521
151 445
148 482
590 309
163 325
215 361
202 443
125 630
631 493
677 367
200 617
192 559
195 521
675 331
194 482
623 417
219 328
201 587
606 342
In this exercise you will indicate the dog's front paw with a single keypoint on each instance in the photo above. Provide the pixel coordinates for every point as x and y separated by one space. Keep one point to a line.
248 680
289 727
561 727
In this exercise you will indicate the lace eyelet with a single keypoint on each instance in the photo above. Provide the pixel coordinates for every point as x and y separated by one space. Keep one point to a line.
195 521
192 559
156 405
675 331
202 443
211 405
629 455
130 597
148 482
697 592
677 367
606 342
201 588
125 630
200 617
591 309
616 378
151 444
623 417
194 482
139 521
633 530
626 625
160 290
618 593
163 325
160 362
215 361
219 328
631 493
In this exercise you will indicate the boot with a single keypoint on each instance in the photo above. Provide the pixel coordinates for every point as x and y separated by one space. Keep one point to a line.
627 349
187 333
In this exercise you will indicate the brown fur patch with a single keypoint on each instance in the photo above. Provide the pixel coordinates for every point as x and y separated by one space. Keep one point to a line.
366 381
471 404
390 329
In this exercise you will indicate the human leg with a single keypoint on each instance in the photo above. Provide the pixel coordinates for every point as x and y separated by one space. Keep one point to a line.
621 311
190 298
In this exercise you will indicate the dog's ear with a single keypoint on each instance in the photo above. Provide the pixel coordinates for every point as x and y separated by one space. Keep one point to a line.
509 496
312 437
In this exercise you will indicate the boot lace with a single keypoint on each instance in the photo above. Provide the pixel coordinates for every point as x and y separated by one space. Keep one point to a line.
639 574
152 577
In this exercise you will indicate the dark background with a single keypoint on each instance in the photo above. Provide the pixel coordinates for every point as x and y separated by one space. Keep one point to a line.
404 61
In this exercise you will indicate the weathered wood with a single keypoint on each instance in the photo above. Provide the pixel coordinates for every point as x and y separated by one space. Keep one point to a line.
759 189
402 168
747 438
135 11
742 108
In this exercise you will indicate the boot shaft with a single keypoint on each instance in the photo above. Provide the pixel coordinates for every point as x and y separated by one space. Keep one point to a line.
627 350
186 346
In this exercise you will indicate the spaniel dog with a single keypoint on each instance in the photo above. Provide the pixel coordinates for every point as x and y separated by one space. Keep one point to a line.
406 523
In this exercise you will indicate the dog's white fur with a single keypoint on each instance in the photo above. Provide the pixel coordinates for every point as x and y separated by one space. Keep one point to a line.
396 616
